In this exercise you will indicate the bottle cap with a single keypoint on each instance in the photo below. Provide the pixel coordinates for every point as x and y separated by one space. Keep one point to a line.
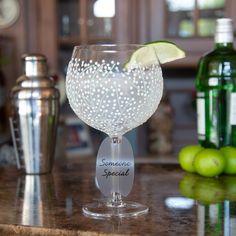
224 30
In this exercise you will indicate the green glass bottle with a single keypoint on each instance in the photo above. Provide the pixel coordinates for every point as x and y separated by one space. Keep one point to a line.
216 90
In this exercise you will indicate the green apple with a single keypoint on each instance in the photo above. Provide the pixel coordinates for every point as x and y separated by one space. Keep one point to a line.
209 191
230 160
187 185
209 162
187 155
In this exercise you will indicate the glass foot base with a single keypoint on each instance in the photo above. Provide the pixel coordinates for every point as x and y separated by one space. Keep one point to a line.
103 210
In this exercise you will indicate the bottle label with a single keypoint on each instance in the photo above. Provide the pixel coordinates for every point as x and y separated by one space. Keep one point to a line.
233 109
201 127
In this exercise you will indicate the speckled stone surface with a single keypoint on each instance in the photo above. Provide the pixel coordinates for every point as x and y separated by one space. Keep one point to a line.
54 206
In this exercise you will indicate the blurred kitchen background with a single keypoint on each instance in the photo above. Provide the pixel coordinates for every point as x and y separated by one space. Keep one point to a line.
54 27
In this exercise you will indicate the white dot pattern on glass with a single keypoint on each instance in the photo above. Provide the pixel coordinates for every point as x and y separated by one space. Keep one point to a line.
112 99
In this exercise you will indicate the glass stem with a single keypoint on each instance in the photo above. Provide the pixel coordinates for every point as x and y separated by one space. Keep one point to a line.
116 200
116 197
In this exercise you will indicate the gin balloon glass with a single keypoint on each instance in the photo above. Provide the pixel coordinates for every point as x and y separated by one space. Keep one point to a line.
114 93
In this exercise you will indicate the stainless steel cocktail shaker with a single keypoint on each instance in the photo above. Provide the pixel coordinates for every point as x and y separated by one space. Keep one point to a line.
34 116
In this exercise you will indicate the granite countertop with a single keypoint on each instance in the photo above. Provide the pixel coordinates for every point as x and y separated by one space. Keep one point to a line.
52 204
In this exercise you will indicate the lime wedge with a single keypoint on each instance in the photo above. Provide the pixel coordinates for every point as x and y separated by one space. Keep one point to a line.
155 53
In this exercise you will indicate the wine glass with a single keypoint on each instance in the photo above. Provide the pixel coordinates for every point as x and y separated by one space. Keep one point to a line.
114 93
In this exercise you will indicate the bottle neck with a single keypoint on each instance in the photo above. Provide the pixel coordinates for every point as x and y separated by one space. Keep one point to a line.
224 45
224 39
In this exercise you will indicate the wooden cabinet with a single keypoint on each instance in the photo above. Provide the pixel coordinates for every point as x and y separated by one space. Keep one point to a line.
158 19
83 22
56 26
80 22
53 27
140 21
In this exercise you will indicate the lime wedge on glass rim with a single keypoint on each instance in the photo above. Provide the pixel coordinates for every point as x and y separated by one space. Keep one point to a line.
157 52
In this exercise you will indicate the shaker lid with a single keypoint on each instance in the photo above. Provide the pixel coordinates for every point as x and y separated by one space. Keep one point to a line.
34 57
35 64
35 83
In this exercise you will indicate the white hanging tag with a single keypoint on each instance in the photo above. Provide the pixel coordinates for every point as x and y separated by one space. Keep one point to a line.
115 167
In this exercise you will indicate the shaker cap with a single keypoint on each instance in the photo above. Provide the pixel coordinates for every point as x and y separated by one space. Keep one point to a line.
35 64
34 57
35 83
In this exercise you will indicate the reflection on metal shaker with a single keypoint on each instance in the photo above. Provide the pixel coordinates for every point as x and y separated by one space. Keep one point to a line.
37 200
34 116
